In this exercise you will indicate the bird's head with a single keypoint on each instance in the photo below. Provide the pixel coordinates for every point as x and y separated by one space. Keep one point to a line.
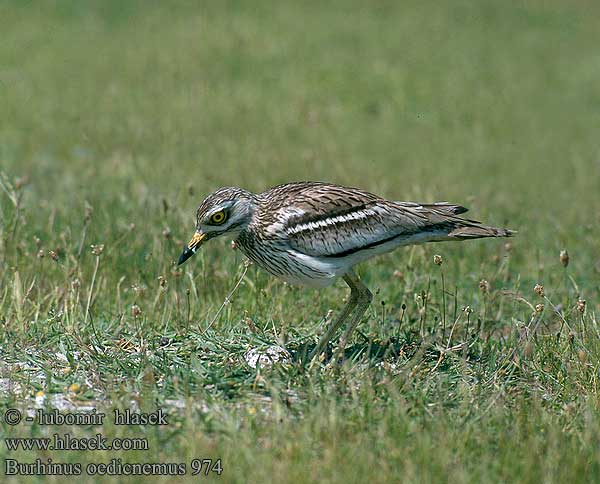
226 211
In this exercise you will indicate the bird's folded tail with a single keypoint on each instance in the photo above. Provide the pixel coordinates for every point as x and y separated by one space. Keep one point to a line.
443 223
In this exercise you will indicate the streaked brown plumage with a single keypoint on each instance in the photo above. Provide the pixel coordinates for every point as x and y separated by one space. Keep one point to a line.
311 233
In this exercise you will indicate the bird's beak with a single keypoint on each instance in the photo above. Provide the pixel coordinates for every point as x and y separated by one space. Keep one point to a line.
192 247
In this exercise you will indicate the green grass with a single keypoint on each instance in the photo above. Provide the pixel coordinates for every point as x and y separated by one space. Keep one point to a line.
117 118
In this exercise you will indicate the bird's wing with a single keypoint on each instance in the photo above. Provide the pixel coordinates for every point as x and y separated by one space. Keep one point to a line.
331 221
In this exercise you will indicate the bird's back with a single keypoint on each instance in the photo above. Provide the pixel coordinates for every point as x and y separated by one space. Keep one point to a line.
320 230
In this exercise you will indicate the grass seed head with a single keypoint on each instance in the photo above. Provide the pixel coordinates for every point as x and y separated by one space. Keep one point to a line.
41 254
138 290
97 249
539 290
484 286
250 323
136 310
87 212
539 308
581 306
564 257
438 260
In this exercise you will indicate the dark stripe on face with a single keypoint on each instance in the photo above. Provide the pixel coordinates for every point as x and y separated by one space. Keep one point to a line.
216 233
234 226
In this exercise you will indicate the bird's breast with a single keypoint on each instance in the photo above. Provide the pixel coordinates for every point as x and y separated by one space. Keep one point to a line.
274 255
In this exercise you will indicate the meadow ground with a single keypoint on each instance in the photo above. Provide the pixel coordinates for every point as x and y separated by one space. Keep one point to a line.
117 118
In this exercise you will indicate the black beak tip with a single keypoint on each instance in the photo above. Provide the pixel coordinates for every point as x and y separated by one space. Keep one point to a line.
185 255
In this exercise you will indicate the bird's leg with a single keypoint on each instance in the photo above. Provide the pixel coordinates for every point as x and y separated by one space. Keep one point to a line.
363 300
350 277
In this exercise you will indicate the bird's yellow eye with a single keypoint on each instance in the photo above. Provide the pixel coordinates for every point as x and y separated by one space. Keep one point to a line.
217 218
